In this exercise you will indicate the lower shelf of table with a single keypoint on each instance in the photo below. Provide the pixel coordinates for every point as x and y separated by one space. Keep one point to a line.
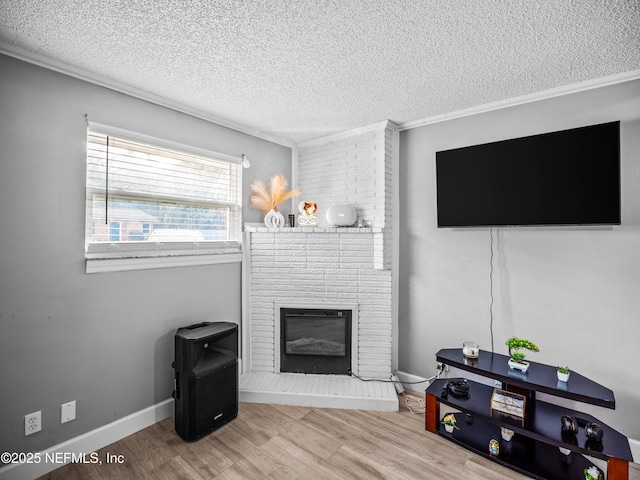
525 455
543 422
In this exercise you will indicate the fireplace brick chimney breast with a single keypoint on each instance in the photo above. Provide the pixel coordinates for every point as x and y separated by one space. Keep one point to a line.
323 265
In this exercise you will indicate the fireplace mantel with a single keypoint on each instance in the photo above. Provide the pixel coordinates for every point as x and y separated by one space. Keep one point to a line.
262 229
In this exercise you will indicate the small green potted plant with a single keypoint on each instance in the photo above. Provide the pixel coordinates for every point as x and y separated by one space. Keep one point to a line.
563 374
593 473
516 357
449 422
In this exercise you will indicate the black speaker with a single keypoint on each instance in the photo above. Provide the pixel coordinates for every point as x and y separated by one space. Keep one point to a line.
206 378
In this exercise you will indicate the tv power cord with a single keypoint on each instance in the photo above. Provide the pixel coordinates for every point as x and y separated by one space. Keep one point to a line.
414 404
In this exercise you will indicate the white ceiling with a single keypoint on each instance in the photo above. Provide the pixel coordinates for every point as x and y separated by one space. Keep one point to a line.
295 70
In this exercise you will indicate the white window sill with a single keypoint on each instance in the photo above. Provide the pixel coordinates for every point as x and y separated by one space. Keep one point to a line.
124 256
102 265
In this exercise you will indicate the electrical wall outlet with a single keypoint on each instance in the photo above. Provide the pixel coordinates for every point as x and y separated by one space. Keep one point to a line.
441 367
32 423
67 412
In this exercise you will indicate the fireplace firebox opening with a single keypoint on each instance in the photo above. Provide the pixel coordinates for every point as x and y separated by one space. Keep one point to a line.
315 340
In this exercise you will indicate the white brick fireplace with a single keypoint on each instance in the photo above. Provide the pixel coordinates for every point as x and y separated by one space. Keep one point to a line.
325 267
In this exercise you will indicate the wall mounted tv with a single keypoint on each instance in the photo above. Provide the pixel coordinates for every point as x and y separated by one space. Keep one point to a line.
569 177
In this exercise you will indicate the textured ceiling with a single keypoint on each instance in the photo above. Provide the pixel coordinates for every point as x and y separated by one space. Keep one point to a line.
297 70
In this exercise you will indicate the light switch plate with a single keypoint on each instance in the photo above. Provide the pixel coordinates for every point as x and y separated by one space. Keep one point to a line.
68 412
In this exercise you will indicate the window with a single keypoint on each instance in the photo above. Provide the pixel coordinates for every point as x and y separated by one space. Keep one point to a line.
147 201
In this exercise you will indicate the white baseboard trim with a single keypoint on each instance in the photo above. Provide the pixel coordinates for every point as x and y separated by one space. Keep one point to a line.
90 441
413 382
635 449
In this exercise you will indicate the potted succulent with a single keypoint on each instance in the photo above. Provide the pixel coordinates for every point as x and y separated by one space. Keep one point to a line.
593 473
449 422
563 374
516 360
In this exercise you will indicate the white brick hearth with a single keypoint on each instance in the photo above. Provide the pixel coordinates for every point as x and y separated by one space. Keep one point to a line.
328 268
330 391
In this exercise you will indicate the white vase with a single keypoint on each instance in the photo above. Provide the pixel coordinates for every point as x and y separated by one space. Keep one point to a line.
274 219
563 377
449 428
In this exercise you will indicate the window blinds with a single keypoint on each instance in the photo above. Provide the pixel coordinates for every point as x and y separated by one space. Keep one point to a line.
142 197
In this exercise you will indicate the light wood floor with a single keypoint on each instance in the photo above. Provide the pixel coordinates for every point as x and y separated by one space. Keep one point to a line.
282 442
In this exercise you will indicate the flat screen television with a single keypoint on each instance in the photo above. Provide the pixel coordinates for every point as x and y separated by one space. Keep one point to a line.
569 177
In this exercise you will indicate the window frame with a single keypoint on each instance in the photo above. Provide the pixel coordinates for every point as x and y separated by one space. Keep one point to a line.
134 255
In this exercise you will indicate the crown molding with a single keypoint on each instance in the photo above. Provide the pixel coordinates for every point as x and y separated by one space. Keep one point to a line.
523 99
60 67
386 124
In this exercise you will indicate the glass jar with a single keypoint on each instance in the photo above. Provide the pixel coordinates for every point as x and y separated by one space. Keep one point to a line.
470 349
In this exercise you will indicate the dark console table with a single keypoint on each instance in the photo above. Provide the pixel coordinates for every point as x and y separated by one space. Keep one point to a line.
533 450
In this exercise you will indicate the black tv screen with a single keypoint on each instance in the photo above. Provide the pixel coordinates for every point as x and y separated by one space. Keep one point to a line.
570 177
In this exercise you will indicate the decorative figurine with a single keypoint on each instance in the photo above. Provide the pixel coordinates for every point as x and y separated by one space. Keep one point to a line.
494 447
307 213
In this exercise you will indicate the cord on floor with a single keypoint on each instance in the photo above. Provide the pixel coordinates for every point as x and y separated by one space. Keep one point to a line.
415 405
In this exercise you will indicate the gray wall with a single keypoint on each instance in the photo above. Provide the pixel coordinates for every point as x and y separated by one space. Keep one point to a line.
104 340
574 291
